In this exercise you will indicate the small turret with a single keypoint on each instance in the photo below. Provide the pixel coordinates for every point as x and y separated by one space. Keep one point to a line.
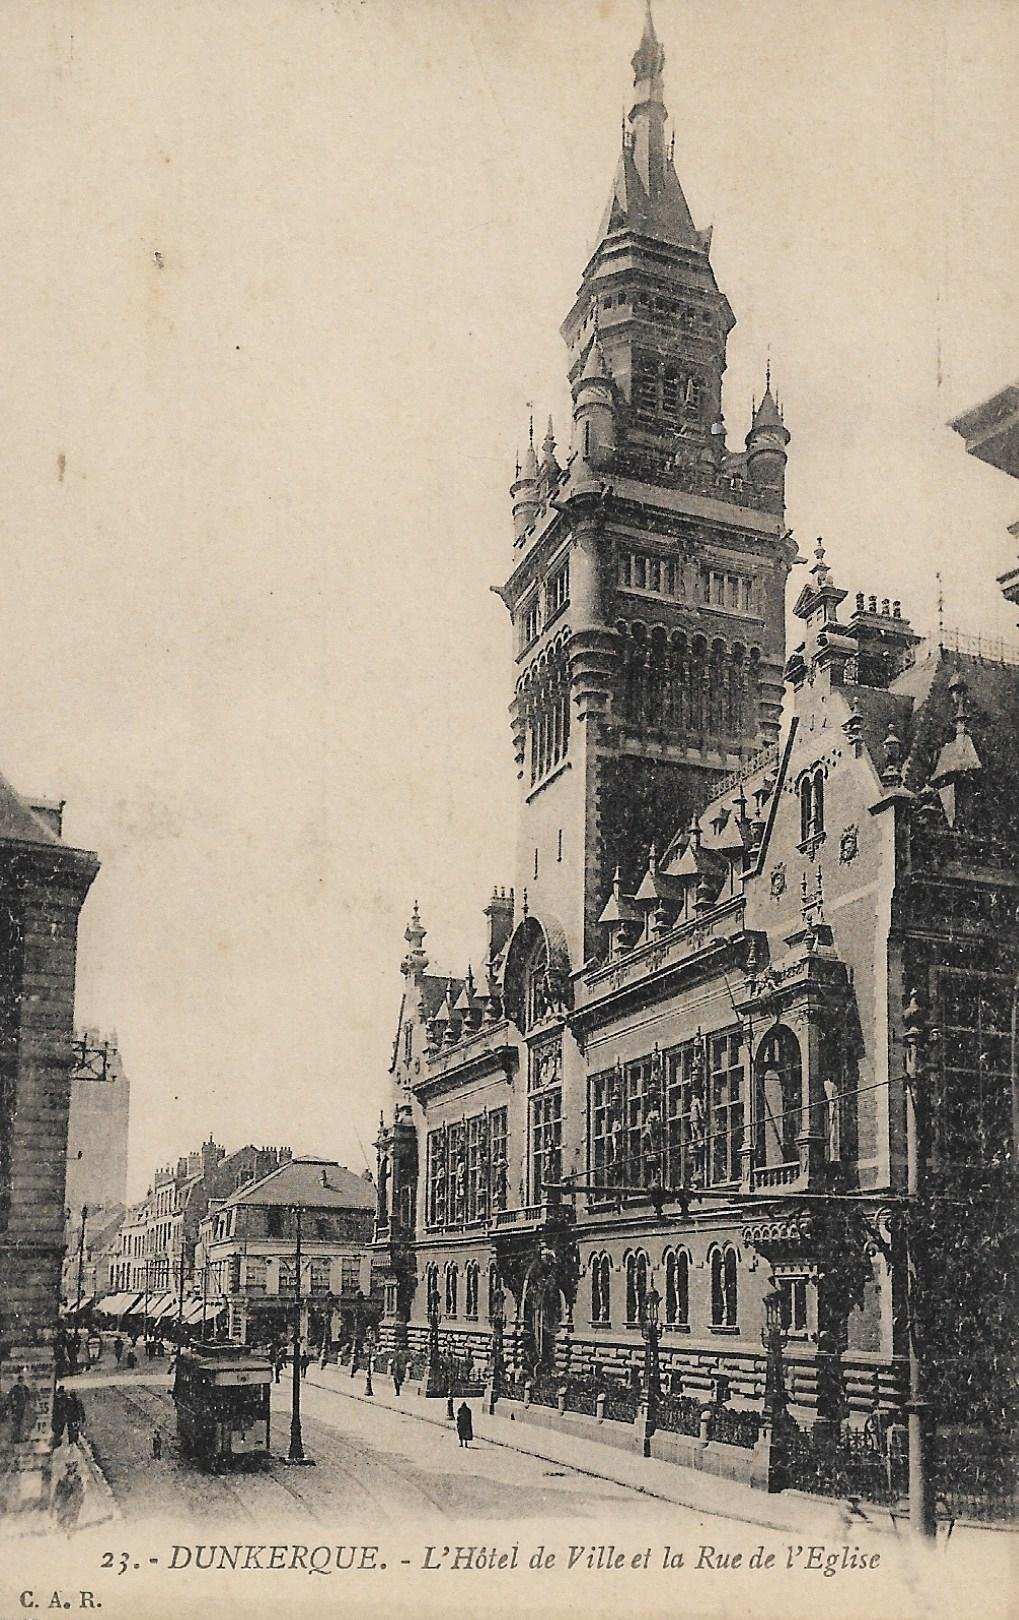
416 959
766 442
524 489
594 414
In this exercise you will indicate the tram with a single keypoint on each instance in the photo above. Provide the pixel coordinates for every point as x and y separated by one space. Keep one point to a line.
221 1392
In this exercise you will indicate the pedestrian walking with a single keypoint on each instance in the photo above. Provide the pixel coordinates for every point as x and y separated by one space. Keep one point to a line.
157 1444
59 1413
75 1415
118 1348
68 1495
281 1361
305 1358
397 1376
464 1424
130 1360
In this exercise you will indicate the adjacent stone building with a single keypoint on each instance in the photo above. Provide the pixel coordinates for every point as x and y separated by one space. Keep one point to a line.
159 1234
684 1061
249 1244
43 883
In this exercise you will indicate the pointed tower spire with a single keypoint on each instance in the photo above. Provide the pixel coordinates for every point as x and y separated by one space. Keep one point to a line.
648 114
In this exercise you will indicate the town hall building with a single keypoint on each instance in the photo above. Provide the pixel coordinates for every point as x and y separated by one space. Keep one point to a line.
731 945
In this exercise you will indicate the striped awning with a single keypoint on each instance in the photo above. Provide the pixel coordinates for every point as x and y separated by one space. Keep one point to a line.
159 1305
121 1304
67 1311
195 1310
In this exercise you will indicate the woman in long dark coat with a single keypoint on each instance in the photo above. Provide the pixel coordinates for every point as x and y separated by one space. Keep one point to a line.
464 1424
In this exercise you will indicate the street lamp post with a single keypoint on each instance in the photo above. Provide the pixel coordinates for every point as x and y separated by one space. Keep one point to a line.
205 1298
435 1384
651 1328
498 1328
81 1279
296 1454
920 1039
773 1338
369 1350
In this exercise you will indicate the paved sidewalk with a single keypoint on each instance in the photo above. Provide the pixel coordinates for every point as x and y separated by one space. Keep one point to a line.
812 1517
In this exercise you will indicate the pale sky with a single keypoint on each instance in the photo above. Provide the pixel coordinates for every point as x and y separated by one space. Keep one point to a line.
279 278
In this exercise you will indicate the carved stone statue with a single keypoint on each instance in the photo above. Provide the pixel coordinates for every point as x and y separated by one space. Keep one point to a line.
383 1206
698 1132
616 1166
651 1140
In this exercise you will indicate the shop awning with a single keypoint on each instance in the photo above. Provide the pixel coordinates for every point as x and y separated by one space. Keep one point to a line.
67 1311
194 1310
159 1304
121 1304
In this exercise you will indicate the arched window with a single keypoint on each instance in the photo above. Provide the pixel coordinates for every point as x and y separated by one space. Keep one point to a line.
471 1291
724 1298
493 1289
677 1288
812 805
432 1288
601 1296
806 808
779 1099
636 1285
451 1289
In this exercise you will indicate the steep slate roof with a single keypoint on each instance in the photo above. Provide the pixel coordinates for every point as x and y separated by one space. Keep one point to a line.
299 1181
992 704
17 823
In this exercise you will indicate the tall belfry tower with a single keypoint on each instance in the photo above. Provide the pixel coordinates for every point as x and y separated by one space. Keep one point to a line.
650 559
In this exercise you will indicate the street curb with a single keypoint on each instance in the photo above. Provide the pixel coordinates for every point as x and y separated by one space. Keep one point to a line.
588 1473
100 1484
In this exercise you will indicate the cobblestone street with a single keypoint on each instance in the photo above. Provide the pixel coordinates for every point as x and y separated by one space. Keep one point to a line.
371 1465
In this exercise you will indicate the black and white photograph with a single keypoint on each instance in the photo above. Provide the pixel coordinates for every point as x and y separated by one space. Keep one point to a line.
509 813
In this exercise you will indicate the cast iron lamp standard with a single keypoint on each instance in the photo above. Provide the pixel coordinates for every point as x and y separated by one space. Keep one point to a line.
434 1382
651 1328
773 1337
498 1328
81 1279
296 1454
369 1351
919 1041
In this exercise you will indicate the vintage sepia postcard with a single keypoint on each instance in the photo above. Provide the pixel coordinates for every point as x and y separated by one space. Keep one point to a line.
509 825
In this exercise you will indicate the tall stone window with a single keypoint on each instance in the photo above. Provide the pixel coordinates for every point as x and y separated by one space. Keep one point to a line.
973 1116
452 1283
724 1290
545 1117
471 1291
601 1290
677 1288
778 1103
638 1271
726 1108
497 1158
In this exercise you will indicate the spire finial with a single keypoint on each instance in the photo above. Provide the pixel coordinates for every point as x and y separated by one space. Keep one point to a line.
767 373
530 424
941 609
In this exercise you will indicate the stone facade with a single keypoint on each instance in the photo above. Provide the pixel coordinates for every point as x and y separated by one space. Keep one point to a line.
684 1065
248 1242
43 883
